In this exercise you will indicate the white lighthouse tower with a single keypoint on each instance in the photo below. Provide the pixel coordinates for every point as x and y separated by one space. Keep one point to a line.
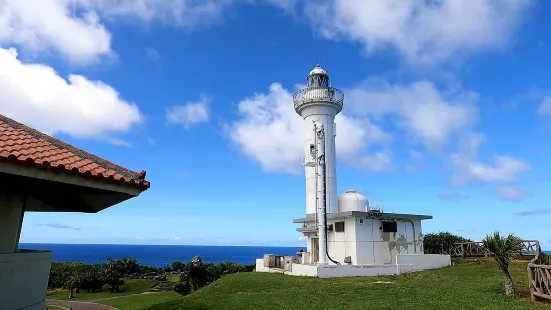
319 103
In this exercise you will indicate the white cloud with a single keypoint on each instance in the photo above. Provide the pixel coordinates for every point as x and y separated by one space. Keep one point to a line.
76 29
419 109
468 168
428 115
510 193
545 106
271 134
189 114
38 26
450 195
153 54
182 13
424 32
36 95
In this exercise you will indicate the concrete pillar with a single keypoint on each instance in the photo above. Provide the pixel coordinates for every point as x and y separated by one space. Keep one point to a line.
12 208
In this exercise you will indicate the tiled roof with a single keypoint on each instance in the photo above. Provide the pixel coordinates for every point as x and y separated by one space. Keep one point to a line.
23 145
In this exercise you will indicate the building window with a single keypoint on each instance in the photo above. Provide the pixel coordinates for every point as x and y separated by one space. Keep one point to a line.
389 226
339 226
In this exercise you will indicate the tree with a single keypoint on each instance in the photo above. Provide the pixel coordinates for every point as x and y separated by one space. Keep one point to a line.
72 283
130 265
504 249
112 274
178 266
441 243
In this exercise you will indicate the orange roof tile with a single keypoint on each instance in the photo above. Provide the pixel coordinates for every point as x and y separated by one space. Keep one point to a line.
23 145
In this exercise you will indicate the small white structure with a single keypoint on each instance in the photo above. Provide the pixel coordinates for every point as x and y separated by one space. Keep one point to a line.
345 236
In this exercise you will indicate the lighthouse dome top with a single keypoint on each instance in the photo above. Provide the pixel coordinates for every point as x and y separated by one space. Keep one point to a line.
318 71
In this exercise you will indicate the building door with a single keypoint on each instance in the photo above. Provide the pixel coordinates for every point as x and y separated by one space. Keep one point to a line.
315 250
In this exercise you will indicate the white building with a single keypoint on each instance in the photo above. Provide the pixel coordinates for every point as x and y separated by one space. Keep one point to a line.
39 173
345 236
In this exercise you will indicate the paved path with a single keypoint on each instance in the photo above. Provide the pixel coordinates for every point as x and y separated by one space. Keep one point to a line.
77 305
114 297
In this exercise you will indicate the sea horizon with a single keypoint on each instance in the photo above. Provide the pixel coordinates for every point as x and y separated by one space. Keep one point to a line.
160 255
169 244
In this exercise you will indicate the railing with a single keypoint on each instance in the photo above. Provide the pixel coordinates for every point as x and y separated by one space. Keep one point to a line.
539 276
318 94
477 249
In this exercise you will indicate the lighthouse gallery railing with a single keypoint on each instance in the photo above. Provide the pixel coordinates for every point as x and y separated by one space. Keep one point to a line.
317 94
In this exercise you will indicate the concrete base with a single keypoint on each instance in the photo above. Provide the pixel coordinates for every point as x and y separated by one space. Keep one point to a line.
405 263
24 279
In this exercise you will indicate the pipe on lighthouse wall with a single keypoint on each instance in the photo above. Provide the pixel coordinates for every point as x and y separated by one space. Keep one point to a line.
320 189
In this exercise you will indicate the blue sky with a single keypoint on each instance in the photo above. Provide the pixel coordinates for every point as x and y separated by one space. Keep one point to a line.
447 110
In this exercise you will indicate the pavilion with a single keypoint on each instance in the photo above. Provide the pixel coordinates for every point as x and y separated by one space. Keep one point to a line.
42 174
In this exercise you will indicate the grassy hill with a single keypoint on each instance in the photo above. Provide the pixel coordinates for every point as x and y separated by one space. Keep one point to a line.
468 285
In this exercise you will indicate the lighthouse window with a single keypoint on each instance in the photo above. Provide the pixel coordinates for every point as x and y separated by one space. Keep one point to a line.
339 226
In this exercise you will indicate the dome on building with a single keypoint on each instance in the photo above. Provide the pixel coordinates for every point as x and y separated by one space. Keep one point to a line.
318 70
352 201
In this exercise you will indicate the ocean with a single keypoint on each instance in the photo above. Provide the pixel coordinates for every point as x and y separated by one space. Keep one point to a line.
157 255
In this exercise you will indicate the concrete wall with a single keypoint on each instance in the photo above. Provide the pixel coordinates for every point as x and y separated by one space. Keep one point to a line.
259 265
339 244
329 271
24 279
304 270
377 248
417 262
366 244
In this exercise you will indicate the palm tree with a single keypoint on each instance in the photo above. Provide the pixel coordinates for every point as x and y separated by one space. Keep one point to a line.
504 249
72 283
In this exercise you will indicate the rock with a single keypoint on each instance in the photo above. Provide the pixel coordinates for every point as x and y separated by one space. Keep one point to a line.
196 260
163 286
161 277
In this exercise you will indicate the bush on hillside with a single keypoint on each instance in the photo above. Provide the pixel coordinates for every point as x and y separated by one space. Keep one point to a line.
230 268
177 266
92 277
182 288
544 259
441 243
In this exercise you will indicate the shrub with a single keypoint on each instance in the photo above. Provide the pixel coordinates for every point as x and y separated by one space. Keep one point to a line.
182 288
441 243
178 266
544 259
229 268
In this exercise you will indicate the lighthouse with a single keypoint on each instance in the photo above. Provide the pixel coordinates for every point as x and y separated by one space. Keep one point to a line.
344 235
318 104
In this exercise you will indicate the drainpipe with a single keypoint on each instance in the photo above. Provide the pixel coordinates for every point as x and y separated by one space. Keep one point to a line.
320 187
414 241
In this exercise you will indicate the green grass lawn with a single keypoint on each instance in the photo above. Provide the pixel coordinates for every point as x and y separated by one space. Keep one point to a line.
141 301
175 278
468 285
130 286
